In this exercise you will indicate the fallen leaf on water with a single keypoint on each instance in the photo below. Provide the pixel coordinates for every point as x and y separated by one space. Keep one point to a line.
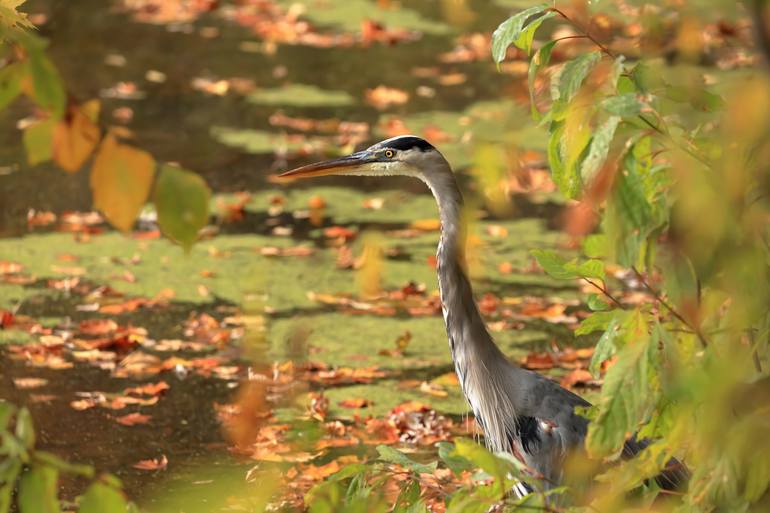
28 383
433 389
537 360
382 97
97 326
579 377
426 225
151 389
156 464
358 402
133 419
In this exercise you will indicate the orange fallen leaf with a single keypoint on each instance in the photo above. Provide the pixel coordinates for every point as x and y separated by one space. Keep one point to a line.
156 464
97 326
576 377
133 419
358 402
151 389
382 97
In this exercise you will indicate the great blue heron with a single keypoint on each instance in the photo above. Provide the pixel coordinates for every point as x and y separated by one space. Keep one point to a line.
519 411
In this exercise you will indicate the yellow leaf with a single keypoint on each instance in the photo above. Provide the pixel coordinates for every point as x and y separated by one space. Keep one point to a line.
120 180
75 138
369 275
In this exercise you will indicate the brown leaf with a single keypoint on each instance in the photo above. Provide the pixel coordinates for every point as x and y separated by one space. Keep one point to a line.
120 180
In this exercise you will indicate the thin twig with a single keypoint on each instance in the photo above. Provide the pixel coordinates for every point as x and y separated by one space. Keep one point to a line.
671 309
584 31
606 293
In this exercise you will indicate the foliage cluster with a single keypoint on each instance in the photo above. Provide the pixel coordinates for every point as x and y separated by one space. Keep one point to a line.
34 474
669 185
69 133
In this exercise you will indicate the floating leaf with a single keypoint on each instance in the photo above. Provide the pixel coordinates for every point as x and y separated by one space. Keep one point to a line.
301 95
182 200
120 180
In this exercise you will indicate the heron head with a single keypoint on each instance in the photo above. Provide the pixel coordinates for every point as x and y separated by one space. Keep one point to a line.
403 155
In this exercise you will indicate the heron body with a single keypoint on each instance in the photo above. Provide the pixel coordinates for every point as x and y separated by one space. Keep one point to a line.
519 411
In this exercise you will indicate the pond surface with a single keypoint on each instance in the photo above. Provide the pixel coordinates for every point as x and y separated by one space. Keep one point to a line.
208 93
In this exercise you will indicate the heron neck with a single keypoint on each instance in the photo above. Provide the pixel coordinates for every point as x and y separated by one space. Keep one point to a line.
465 327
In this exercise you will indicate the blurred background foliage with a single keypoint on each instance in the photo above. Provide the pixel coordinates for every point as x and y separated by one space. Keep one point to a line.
653 121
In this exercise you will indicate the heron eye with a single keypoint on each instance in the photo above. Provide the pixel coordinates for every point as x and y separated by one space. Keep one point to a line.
389 153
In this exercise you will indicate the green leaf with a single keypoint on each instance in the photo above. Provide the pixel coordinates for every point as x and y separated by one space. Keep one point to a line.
600 146
524 41
606 346
510 30
47 87
38 490
597 303
595 245
456 464
10 83
392 455
595 322
58 463
630 216
182 200
38 141
540 60
624 105
628 394
587 269
573 74
562 177
25 430
102 498
408 497
554 265
10 467
485 460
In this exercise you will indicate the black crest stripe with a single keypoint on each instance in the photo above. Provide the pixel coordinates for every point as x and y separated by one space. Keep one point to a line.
407 143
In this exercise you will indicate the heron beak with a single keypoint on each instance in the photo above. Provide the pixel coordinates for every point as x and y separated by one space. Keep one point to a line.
340 166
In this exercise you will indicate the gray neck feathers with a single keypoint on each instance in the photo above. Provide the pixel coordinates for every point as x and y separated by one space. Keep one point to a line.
481 367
